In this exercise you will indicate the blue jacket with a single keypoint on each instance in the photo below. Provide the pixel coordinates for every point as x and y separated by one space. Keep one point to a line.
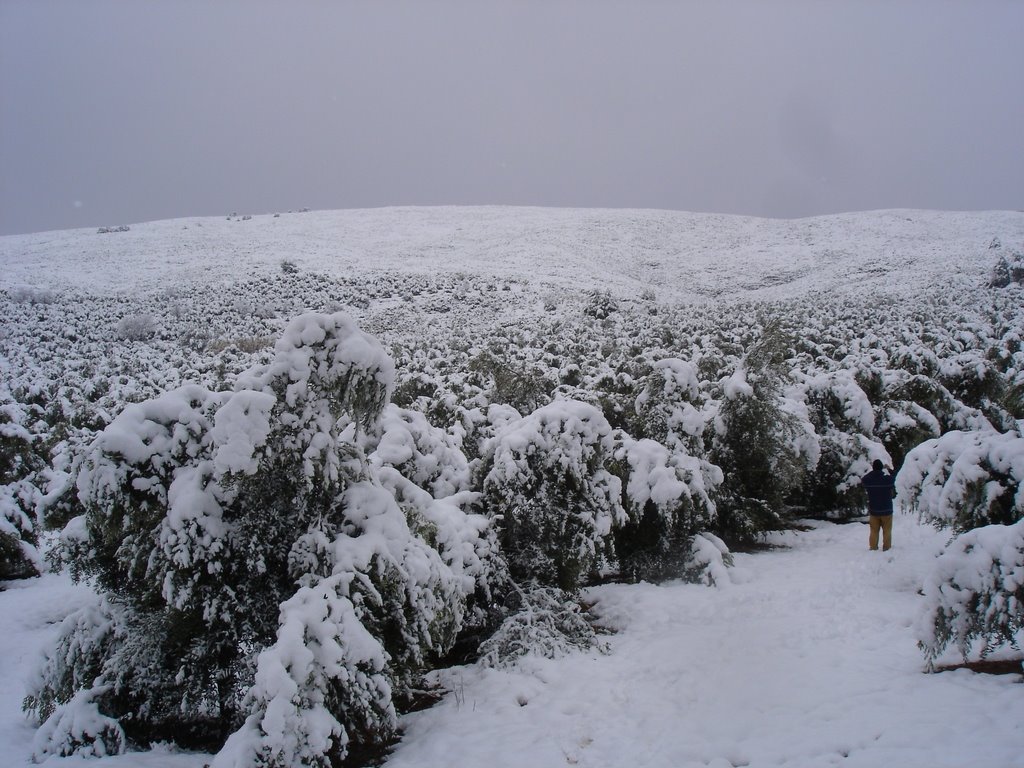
881 488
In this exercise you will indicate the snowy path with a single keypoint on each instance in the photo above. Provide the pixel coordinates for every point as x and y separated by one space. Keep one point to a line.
809 660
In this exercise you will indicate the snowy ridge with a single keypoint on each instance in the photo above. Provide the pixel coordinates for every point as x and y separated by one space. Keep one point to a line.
683 256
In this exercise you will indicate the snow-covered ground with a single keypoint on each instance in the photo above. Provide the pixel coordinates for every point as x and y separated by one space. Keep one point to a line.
807 659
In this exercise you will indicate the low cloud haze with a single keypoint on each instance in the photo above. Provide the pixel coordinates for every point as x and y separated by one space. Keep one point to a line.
118 111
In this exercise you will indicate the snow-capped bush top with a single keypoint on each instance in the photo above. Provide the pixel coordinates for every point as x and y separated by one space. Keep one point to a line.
425 454
13 417
670 408
966 479
352 369
150 440
667 479
850 408
566 434
678 380
736 384
240 427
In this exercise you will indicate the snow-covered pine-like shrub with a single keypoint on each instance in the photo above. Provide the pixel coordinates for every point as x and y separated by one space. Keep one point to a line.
20 465
844 421
977 382
466 543
974 596
667 481
79 728
600 304
255 565
545 622
915 359
347 644
509 381
547 488
667 497
670 409
931 395
1009 269
901 426
137 327
763 442
84 642
965 480
972 379
708 561
473 429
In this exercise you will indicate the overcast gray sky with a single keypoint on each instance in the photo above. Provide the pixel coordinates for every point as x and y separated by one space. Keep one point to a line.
119 111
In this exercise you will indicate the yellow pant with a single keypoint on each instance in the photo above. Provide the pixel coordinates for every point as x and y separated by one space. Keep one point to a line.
885 523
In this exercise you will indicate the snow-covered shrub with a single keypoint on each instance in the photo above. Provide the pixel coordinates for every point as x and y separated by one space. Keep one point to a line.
916 360
901 426
974 596
60 503
473 429
708 561
972 378
84 642
421 452
667 481
547 622
256 565
137 327
323 681
1013 396
600 305
931 395
79 728
977 382
763 442
667 497
511 382
466 543
31 295
1008 269
548 490
19 556
844 422
965 480
20 465
670 406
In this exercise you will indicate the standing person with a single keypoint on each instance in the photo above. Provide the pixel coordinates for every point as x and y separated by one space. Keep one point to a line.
881 487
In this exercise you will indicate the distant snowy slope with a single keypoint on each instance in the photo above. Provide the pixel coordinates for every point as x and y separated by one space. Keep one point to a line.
681 256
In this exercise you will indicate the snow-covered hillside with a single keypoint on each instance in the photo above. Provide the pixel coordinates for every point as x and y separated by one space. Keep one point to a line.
681 256
673 379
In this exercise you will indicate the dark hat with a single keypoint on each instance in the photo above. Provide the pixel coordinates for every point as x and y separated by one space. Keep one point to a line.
876 465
